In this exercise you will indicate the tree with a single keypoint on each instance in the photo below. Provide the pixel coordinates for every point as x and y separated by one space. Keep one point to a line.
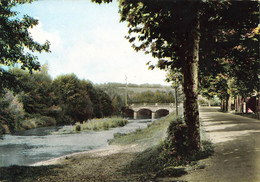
159 26
16 43
105 103
72 96
229 61
34 90
171 31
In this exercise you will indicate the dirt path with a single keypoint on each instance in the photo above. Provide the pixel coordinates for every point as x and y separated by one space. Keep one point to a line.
237 149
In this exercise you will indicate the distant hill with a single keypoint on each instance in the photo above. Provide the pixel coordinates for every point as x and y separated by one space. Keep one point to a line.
135 88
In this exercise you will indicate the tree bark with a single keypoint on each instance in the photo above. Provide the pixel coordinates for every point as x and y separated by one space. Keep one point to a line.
190 84
222 104
239 109
225 104
228 103
236 102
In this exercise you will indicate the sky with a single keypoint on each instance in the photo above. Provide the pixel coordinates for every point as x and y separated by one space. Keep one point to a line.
87 39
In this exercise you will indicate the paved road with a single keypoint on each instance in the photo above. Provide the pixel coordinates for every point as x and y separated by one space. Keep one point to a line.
237 149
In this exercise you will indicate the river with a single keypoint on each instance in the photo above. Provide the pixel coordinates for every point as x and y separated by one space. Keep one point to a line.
31 146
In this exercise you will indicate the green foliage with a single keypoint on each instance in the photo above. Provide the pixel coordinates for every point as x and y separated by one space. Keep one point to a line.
101 124
115 94
71 95
65 100
152 97
229 61
34 90
16 43
175 149
78 128
11 113
37 122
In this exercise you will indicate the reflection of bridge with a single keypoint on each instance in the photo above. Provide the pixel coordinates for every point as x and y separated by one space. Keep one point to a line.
149 110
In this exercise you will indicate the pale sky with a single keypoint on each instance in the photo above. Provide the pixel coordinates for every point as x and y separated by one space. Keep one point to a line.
88 40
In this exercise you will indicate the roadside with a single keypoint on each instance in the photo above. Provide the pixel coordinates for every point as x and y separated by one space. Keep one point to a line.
237 149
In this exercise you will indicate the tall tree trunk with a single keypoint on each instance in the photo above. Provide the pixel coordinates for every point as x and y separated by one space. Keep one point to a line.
222 104
239 109
190 84
225 104
236 102
228 103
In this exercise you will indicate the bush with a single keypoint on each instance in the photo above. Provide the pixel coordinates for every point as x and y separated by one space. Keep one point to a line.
47 121
78 128
3 129
175 149
40 121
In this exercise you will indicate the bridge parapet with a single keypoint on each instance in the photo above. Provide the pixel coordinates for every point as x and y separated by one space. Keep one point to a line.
152 107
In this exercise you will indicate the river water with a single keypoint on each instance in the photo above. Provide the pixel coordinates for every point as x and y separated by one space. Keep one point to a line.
31 146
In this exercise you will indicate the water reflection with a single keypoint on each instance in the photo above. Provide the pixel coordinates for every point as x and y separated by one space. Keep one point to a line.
27 147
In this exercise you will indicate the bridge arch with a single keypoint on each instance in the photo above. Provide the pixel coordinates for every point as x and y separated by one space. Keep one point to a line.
143 113
151 111
129 113
161 113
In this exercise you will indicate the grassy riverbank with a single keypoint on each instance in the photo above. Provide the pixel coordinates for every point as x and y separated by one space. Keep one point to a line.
101 124
150 136
131 157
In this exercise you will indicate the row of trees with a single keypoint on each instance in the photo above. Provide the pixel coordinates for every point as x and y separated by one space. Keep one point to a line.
152 97
213 44
67 99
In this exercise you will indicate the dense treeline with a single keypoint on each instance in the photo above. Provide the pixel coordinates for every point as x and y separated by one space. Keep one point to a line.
40 101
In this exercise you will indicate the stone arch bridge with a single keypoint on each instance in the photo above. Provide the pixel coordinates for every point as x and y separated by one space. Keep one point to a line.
151 111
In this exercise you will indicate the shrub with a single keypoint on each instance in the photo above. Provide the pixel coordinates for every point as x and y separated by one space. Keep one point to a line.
175 149
105 125
78 128
47 121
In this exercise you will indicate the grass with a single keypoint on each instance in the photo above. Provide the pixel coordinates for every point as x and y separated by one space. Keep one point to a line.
149 164
152 135
101 124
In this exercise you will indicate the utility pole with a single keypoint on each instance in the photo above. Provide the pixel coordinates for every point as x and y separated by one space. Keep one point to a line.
126 91
176 100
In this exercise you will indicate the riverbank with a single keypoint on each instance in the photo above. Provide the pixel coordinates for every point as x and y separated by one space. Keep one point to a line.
98 165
